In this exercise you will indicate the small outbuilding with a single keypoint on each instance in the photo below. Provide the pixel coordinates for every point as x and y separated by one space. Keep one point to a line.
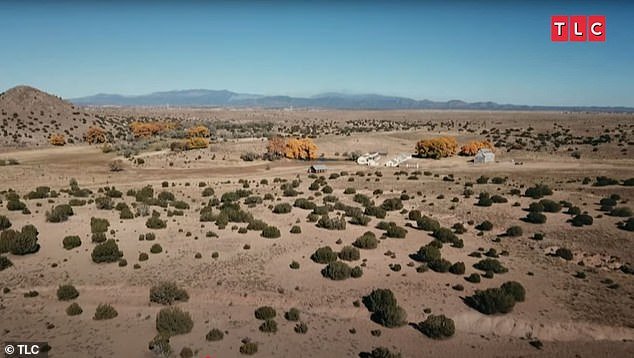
317 168
483 156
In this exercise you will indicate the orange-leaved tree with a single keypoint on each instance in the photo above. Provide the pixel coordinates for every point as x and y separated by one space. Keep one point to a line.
276 147
57 139
473 147
198 131
300 148
147 129
95 135
196 143
437 148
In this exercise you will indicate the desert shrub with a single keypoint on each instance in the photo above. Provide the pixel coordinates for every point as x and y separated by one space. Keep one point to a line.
605 181
538 191
621 212
154 222
5 223
627 225
59 213
105 311
550 206
484 199
249 348
356 272
458 268
385 309
382 352
395 231
324 255
437 148
143 256
98 237
296 229
98 225
440 265
337 271
414 215
444 235
172 321
473 278
486 225
349 253
428 253
74 309
271 232
514 289
71 242
104 203
214 335
564 253
167 292
305 204
282 208
376 211
5 263
160 347
378 299
366 241
499 199
392 204
489 264
265 313
106 252
7 237
535 207
301 328
25 241
209 191
428 224
535 218
581 220
268 326
292 315
514 231
67 292
336 223
126 214
156 249
437 327
15 205
491 301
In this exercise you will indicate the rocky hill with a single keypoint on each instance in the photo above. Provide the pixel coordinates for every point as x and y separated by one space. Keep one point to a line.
29 117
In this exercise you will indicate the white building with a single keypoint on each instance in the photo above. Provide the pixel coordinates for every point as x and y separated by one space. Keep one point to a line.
484 155
369 159
395 162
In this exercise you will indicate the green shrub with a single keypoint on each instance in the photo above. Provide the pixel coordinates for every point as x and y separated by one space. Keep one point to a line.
376 211
249 348
214 335
7 237
296 229
627 225
15 205
67 292
356 272
458 268
378 299
392 204
256 225
271 232
538 191
491 301
622 212
337 271
5 223
74 309
99 225
581 220
156 249
473 278
171 321
536 207
440 265
104 203
268 326
382 352
5 263
395 231
265 313
437 327
106 252
154 222
301 328
384 308
105 311
324 255
492 265
25 241
428 253
292 315
71 242
282 208
143 256
514 289
486 225
349 253
160 346
514 231
564 253
535 218
336 223
98 237
366 241
167 292
444 235
550 206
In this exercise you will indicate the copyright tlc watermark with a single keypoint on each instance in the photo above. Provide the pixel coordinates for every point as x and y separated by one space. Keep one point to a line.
26 349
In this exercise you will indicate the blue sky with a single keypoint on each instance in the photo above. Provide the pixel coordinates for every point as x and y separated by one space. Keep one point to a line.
439 50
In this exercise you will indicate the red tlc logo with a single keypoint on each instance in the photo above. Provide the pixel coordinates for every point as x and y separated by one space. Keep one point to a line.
577 28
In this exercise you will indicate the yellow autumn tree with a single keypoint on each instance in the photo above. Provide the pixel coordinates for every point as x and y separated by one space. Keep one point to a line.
196 143
437 148
276 147
148 129
198 131
95 135
300 148
473 147
57 139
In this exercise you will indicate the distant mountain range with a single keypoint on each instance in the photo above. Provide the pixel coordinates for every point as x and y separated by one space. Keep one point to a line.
224 98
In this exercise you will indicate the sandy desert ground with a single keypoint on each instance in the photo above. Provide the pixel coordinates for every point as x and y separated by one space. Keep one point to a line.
564 313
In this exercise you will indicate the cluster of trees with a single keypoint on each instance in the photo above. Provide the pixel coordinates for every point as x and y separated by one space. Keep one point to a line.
148 129
95 135
198 132
473 147
294 148
57 139
437 148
